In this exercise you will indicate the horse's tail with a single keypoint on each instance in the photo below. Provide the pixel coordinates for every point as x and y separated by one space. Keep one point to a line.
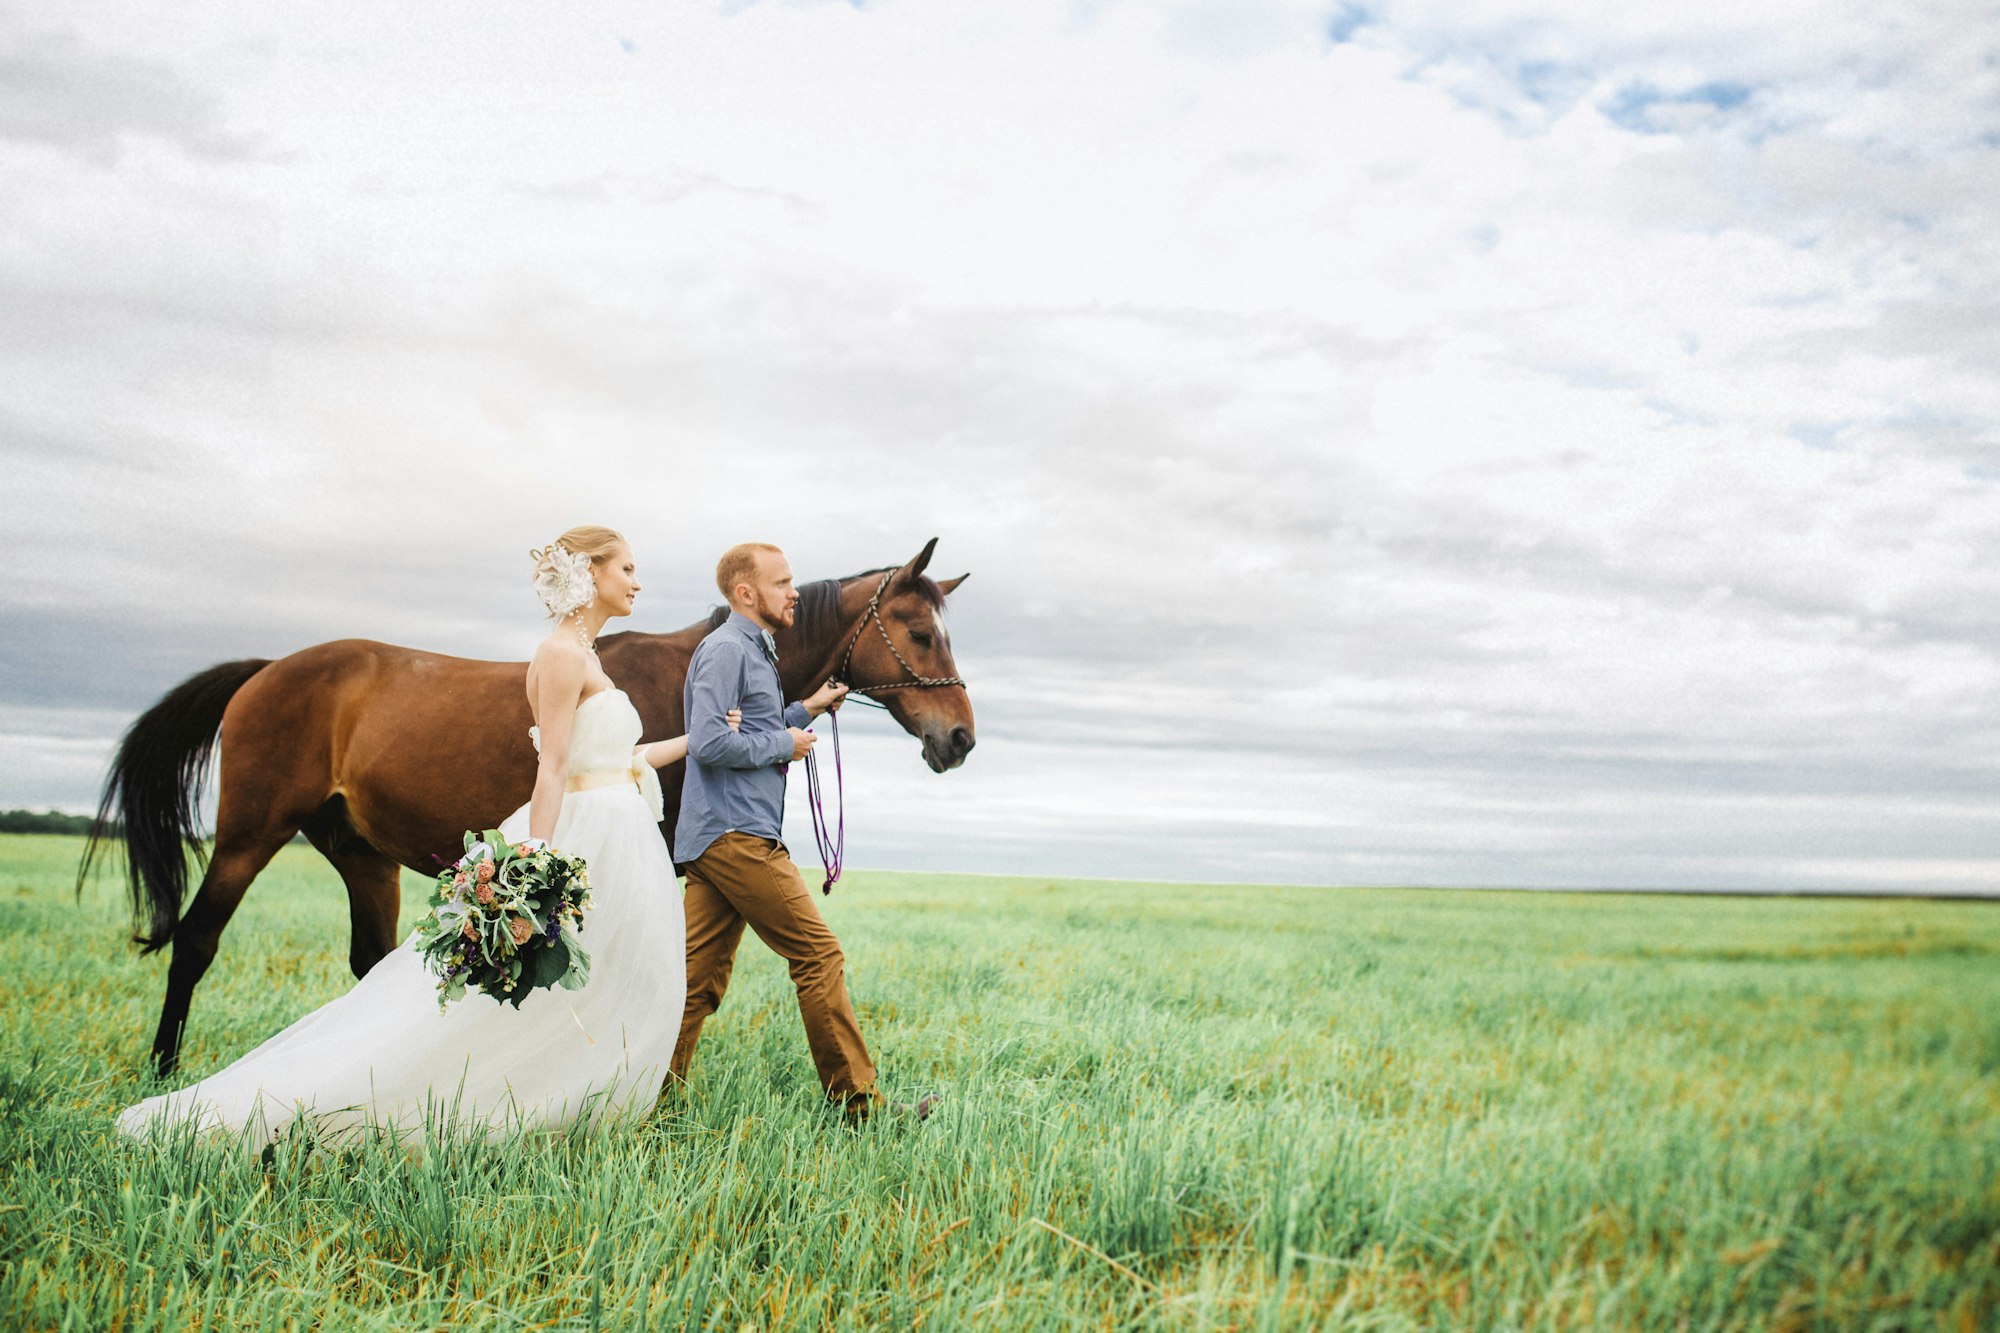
155 787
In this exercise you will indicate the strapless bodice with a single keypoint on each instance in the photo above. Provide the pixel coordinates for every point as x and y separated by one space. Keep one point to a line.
605 728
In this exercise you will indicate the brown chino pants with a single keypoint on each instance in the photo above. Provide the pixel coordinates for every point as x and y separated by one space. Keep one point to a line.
744 878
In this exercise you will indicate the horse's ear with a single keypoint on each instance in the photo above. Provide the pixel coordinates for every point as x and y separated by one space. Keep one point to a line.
911 572
948 585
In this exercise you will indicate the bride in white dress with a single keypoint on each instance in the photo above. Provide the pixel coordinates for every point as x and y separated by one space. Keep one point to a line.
383 1055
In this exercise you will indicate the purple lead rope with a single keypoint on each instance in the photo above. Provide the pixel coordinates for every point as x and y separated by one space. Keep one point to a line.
832 846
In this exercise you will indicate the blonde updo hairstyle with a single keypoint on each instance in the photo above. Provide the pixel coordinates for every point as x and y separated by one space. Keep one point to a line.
592 540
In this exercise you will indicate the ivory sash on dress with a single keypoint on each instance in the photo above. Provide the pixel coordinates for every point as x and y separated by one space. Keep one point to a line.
644 779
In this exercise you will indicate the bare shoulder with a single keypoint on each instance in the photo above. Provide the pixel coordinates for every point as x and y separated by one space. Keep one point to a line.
561 651
560 666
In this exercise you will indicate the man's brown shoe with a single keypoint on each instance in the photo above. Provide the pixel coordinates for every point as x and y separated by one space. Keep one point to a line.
864 1107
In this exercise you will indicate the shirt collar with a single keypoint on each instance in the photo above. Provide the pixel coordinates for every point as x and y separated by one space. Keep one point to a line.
759 638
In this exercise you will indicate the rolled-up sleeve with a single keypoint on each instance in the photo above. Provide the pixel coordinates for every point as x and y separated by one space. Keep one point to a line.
715 685
797 716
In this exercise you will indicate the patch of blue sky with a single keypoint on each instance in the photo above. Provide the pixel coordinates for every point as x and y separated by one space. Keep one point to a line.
1645 109
1524 95
1551 83
1676 413
1931 421
1347 20
1824 435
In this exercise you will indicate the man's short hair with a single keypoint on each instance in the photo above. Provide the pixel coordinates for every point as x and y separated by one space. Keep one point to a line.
738 563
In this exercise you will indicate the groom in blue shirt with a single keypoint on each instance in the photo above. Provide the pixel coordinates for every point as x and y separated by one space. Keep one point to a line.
730 834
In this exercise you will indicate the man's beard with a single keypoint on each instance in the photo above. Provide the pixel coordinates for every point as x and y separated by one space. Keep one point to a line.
774 610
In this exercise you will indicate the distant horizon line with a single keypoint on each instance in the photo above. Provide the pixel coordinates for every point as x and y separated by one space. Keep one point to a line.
1981 895
1663 890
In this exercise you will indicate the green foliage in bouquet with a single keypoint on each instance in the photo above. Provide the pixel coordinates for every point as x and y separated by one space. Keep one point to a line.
504 919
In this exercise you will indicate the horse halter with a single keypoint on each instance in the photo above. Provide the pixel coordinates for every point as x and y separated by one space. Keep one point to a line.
917 680
832 839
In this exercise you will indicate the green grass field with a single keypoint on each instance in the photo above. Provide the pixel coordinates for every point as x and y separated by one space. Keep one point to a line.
1169 1106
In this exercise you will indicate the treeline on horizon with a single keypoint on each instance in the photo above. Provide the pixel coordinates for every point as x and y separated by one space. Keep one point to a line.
53 821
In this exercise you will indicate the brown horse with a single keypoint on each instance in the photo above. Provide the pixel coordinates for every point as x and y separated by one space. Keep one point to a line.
384 756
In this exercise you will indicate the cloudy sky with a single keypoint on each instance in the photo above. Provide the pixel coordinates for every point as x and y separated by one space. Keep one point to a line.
1392 442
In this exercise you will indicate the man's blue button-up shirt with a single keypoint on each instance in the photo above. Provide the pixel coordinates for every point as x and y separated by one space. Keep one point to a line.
734 781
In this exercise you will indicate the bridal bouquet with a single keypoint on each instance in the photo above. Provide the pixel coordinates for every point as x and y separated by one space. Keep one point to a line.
504 919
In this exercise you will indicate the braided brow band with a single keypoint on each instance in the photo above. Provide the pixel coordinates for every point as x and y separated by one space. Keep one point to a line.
917 681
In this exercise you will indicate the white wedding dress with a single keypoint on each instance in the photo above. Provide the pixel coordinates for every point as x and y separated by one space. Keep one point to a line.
383 1055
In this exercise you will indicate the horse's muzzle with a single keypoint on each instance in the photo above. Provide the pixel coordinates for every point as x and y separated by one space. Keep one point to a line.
947 749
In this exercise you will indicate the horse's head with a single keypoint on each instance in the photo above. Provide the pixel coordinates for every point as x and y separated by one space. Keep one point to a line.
909 649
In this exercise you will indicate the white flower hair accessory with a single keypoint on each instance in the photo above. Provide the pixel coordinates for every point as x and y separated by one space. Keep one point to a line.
562 579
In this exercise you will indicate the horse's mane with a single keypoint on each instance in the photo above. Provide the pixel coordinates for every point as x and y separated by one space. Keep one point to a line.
925 585
818 615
